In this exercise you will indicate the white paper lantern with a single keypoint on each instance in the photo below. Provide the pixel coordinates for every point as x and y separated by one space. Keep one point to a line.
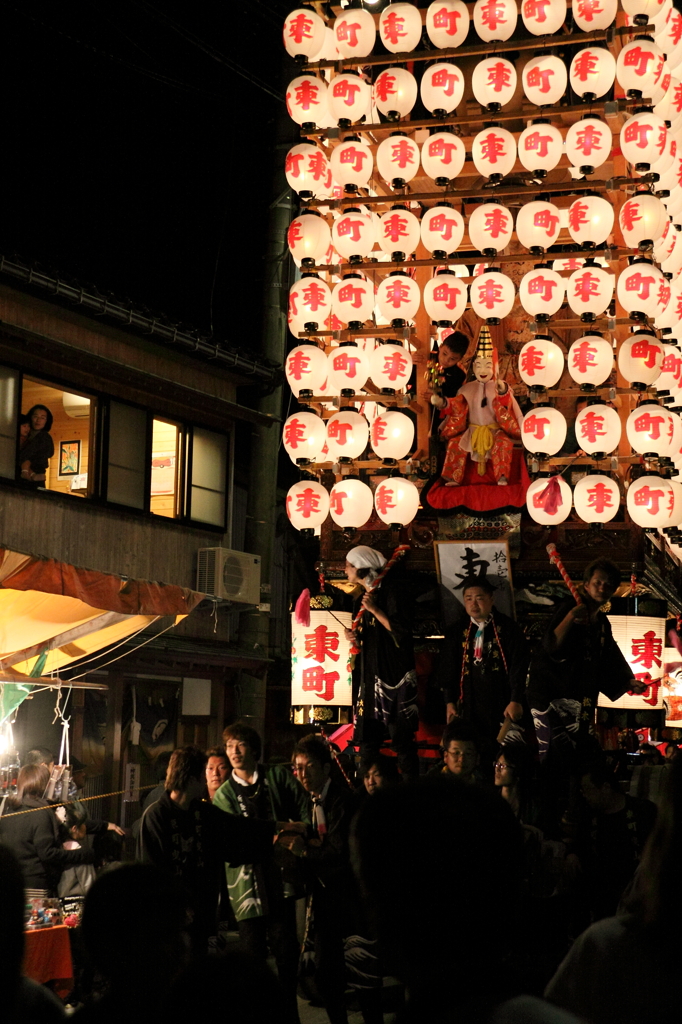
398 297
543 17
544 79
668 37
669 380
306 100
354 233
397 159
442 230
353 299
396 501
494 152
304 437
672 262
392 435
442 88
303 33
650 501
671 317
543 430
307 170
589 291
492 295
541 362
588 143
400 27
542 292
674 442
645 10
445 298
490 228
590 220
642 219
545 505
594 15
590 360
643 139
355 33
447 23
649 428
351 503
349 98
598 429
398 230
307 505
390 367
347 435
495 19
309 237
494 82
309 303
592 72
639 66
596 498
306 369
572 263
395 92
351 162
443 156
538 225
640 358
639 289
348 368
541 147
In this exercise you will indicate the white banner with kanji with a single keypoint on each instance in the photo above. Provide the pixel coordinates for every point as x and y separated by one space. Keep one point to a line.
320 659
641 639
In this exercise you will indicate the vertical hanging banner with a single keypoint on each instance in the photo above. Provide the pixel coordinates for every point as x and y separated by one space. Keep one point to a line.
641 639
320 659
460 561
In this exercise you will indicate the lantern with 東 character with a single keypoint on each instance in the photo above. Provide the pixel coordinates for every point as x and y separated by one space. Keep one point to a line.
638 628
396 501
351 163
589 291
542 292
355 33
351 503
354 234
495 20
596 498
307 505
669 107
447 23
494 153
649 428
543 17
642 289
353 300
348 98
594 15
398 159
392 435
390 367
445 298
492 295
442 88
640 358
494 82
543 431
309 303
590 361
540 147
670 320
592 72
304 438
307 101
307 170
443 156
395 93
398 298
549 500
399 232
541 363
642 220
590 221
347 435
598 429
668 36
442 230
306 370
303 34
400 27
643 140
588 144
651 501
309 238
490 228
544 80
538 226
348 368
638 68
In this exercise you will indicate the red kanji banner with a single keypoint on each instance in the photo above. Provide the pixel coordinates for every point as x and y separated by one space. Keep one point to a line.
320 659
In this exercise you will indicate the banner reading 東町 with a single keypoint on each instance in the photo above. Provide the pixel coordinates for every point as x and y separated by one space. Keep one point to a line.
641 639
320 659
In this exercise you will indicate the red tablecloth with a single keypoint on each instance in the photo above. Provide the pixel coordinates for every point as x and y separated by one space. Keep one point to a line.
47 957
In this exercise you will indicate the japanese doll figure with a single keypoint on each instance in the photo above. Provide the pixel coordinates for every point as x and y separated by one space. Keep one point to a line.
481 421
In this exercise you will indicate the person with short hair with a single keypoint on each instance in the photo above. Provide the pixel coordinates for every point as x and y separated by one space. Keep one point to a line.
451 352
382 772
38 449
461 752
217 770
40 755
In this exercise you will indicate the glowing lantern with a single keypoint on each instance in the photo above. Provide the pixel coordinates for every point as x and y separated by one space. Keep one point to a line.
492 295
495 19
541 147
592 72
542 292
354 234
642 288
494 153
594 15
598 429
543 17
490 228
304 437
353 300
309 238
348 368
541 363
398 159
648 428
309 303
306 100
544 79
671 317
650 500
642 219
396 501
641 11
445 298
672 261
398 297
447 23
306 370
669 380
640 358
347 435
307 170
543 430
442 88
329 49
400 27
392 435
442 230
538 225
549 500
351 503
390 367
307 505
443 156
398 231
494 82
667 107
351 163
590 220
596 498
349 98
589 290
674 440
395 92
639 66
668 38
303 33
643 139
355 33
588 143
590 360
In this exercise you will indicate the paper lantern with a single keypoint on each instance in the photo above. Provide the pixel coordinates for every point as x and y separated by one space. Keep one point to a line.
395 92
307 505
398 297
648 428
598 429
588 144
544 78
589 291
590 360
348 368
640 358
442 88
495 19
542 292
400 27
398 159
303 33
641 289
592 72
538 225
308 238
543 430
390 367
353 233
643 139
671 317
304 437
668 38
494 152
543 17
347 435
662 243
355 33
353 300
669 380
541 362
351 163
392 435
351 503
640 11
490 228
672 448
549 500
306 369
445 298
443 156
590 220
494 82
492 295
442 230
306 100
309 303
307 170
540 147
573 263
596 498
672 260
667 106
349 98
650 501
447 23
396 501
639 66
594 15
398 231
642 219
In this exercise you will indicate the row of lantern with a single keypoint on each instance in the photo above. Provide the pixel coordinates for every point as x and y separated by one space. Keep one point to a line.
351 502
653 502
346 369
345 436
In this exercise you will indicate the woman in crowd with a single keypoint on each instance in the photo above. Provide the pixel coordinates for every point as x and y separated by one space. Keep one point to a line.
38 448
75 880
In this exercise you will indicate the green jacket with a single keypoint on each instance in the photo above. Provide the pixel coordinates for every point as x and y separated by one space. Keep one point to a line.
288 802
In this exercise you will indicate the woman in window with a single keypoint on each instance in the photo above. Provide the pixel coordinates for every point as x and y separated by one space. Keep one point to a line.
39 447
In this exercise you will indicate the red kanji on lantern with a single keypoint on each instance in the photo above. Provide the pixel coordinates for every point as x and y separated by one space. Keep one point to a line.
592 427
649 497
336 500
307 501
297 367
443 225
492 146
393 28
547 220
299 28
638 59
294 233
402 153
385 86
588 139
630 215
585 65
318 166
489 292
443 149
316 680
352 295
339 431
650 695
496 222
292 164
535 142
672 364
313 297
332 323
348 33
395 227
446 19
343 89
321 643
535 425
599 497
538 78
499 76
648 424
447 294
664 293
397 293
294 434
647 650
492 14
343 363
351 155
445 80
585 286
637 132
639 283
348 226
536 9
645 350
587 9
584 356
379 430
383 500
541 286
532 359
576 215
395 365
307 92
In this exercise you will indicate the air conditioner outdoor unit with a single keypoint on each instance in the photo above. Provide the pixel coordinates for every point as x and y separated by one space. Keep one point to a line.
232 575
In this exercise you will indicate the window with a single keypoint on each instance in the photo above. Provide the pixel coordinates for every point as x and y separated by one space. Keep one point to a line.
208 477
163 500
54 448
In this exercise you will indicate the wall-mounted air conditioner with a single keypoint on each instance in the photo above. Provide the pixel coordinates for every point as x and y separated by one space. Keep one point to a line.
232 575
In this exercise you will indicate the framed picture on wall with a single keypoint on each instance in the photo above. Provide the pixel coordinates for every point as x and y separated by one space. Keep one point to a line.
460 560
69 459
